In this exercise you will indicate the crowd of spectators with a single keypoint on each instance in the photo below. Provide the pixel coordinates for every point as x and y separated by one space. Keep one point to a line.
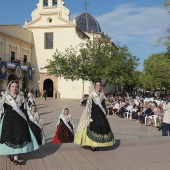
144 107
20 62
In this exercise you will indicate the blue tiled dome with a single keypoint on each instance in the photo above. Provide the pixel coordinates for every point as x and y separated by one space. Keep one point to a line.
86 22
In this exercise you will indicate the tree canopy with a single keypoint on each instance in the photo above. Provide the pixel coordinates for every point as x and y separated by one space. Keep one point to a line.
166 3
157 71
97 59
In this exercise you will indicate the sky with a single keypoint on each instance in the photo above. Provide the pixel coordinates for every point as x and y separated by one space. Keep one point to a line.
138 24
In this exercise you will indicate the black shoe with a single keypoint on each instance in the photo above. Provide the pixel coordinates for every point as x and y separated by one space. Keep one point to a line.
93 149
16 162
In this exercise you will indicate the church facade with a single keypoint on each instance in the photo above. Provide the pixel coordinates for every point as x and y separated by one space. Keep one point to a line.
15 54
36 42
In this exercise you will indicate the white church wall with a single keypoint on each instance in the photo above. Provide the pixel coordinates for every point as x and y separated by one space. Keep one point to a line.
63 38
73 89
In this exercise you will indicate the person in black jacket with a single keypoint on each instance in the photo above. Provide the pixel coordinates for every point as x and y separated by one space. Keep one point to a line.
45 94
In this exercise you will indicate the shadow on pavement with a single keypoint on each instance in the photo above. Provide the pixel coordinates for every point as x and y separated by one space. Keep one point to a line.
40 104
44 151
45 124
44 113
115 146
41 107
48 139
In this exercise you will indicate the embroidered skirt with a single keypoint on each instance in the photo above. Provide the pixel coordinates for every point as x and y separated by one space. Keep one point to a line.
15 135
98 133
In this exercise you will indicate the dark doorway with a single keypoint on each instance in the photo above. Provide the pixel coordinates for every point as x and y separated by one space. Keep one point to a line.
25 83
48 86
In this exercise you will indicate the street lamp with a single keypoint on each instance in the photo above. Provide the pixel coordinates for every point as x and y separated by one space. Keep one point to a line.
83 86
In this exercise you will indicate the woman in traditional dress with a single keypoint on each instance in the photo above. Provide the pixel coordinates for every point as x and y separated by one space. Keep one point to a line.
94 129
31 100
64 131
36 125
15 135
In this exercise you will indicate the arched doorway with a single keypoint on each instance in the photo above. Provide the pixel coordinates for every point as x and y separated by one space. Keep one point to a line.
12 77
25 83
48 86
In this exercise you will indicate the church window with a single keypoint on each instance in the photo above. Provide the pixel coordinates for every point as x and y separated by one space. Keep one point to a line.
54 2
25 59
45 3
48 41
12 56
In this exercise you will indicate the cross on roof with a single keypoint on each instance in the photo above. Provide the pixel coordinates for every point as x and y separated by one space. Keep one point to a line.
85 4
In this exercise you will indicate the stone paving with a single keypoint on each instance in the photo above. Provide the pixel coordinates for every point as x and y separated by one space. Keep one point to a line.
138 147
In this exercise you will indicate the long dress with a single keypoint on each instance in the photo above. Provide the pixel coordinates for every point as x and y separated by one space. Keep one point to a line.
94 129
36 127
15 135
64 132
1 109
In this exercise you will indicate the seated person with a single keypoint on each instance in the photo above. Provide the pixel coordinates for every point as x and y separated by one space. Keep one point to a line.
160 114
135 111
121 110
152 119
129 107
116 108
109 106
146 112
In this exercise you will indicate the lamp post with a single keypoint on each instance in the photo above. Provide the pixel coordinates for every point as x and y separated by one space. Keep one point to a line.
83 86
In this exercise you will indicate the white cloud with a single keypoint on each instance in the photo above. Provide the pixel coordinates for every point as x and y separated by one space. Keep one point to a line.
136 27
129 23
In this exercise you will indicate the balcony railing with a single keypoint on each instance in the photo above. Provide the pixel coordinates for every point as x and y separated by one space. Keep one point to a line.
11 65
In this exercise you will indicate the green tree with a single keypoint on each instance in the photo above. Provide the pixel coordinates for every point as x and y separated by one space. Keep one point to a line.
167 3
136 80
166 39
98 59
157 71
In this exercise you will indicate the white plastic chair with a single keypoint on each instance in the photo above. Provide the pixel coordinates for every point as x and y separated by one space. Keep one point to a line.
146 118
154 117
129 114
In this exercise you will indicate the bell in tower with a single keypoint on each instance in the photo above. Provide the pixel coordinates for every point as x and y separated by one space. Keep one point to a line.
45 3
54 2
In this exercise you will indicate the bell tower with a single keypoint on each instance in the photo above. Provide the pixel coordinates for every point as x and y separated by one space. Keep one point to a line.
49 3
50 7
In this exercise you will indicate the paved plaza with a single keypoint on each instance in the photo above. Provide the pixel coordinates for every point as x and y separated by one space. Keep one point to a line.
138 147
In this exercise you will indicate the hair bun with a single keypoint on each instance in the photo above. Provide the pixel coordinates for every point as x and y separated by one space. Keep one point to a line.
97 81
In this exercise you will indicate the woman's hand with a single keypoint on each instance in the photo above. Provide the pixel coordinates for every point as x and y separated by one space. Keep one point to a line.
91 120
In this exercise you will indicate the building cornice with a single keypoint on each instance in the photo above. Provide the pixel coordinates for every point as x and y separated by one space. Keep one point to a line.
15 40
50 26
28 25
